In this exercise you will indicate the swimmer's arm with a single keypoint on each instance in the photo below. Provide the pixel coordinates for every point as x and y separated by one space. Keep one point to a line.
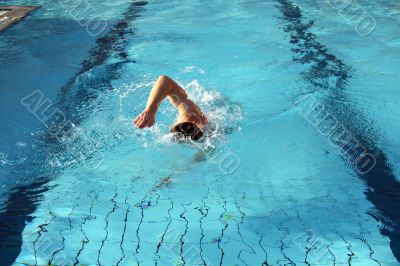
164 87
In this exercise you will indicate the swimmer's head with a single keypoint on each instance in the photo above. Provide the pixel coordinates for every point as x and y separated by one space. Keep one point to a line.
187 130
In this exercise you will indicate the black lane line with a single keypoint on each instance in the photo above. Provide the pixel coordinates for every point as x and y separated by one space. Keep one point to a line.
23 200
12 222
82 89
329 74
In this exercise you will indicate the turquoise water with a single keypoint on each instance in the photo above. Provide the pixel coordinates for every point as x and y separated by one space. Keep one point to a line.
274 190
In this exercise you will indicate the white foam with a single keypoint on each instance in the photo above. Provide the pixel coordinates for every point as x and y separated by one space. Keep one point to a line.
21 144
219 110
190 69
109 125
3 159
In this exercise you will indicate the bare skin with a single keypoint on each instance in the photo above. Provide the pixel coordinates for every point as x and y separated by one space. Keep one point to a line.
166 87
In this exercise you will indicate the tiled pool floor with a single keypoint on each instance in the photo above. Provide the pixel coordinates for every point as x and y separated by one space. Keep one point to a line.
293 201
143 221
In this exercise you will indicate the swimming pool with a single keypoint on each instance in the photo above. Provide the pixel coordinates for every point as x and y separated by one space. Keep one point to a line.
282 80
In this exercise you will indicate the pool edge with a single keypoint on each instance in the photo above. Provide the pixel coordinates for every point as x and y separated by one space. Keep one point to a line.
15 14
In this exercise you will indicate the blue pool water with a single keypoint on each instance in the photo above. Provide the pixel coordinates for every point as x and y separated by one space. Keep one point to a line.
275 184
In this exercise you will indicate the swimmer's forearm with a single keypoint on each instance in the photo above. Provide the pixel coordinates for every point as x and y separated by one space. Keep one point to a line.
158 93
166 87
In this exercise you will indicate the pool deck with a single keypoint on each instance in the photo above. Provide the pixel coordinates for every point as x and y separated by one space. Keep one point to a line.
11 14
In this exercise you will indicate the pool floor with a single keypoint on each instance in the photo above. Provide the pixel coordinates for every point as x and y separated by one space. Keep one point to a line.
88 188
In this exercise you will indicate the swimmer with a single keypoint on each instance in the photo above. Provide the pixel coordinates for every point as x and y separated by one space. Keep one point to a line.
191 120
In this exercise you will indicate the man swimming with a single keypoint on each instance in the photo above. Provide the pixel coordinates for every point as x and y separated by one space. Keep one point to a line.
191 120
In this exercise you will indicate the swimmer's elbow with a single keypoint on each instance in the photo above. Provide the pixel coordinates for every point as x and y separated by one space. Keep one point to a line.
164 79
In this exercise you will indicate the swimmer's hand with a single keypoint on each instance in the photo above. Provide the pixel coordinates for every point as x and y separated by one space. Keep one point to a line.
146 118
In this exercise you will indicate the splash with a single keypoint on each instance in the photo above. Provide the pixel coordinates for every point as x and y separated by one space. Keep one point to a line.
191 69
222 113
109 125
